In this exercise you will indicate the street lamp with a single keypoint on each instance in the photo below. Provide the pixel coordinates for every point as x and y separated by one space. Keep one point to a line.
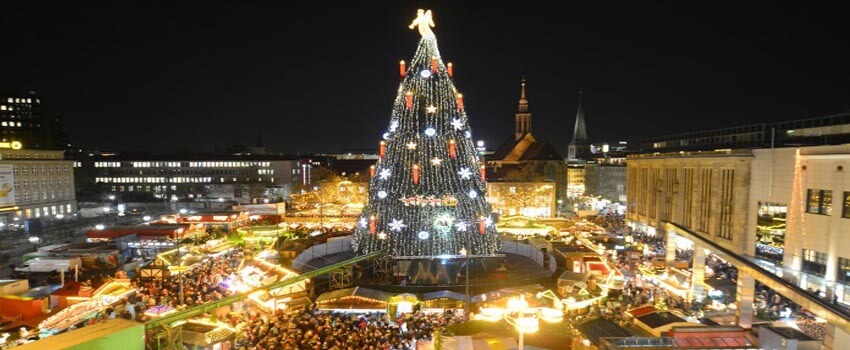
99 227
35 240
463 253
525 319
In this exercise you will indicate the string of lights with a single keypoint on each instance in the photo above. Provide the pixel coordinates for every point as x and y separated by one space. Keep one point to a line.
427 153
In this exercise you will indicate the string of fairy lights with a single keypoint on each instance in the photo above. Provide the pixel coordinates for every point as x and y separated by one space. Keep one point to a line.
427 192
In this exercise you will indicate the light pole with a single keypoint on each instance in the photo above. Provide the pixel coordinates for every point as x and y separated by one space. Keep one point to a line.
524 318
466 276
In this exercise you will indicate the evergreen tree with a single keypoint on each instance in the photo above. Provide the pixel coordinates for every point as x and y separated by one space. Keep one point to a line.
427 192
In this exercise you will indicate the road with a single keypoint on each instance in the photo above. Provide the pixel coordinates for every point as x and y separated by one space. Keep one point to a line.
14 243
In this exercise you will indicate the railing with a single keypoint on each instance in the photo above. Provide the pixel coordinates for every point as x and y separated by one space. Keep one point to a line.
337 245
529 252
340 245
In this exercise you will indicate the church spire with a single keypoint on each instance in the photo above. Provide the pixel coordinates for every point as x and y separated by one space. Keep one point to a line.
523 117
578 148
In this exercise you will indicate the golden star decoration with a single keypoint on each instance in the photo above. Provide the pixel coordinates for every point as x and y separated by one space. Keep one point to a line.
436 161
431 109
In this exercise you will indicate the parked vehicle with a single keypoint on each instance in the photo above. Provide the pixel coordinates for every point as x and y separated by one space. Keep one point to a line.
50 264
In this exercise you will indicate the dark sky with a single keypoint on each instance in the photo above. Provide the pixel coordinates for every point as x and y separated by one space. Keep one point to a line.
184 75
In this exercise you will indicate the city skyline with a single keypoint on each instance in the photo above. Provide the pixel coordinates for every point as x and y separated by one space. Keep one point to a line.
124 76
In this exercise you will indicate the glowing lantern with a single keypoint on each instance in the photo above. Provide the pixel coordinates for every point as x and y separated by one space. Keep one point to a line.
433 65
383 149
452 149
372 224
402 70
415 174
450 69
460 102
408 99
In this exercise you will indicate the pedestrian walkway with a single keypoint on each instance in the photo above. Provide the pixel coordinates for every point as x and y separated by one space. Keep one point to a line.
804 280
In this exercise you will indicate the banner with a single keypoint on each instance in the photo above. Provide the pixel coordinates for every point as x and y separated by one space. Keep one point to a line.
7 185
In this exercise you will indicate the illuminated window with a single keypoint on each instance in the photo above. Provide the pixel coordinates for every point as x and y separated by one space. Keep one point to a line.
845 213
819 202
814 262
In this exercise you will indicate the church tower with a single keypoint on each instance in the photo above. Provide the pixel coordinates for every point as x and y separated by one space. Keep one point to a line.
578 148
523 117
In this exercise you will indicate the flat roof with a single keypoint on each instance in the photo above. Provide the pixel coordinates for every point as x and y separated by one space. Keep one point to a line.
790 333
82 335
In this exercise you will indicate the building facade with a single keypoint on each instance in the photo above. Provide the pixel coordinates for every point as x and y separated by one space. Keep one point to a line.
706 192
788 204
532 199
799 213
24 120
522 158
231 178
35 184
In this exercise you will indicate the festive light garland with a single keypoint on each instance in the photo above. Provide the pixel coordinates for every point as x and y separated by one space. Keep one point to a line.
427 153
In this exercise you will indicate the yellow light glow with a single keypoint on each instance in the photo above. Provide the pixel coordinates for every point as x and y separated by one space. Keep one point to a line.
527 324
517 304
424 21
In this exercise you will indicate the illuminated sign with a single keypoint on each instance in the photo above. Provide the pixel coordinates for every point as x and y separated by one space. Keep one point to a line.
12 145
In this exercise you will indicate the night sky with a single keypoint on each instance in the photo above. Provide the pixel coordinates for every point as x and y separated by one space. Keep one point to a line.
181 75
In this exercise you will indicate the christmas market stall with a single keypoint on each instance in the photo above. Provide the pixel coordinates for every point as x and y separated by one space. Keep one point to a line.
440 301
402 304
355 300
206 334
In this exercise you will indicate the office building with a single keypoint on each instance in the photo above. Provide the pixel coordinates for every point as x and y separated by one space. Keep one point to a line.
34 184
240 178
24 120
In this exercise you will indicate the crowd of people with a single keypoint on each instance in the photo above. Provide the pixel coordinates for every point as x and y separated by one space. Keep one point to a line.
318 330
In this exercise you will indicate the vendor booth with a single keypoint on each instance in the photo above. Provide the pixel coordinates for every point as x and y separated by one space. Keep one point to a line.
440 301
403 304
355 300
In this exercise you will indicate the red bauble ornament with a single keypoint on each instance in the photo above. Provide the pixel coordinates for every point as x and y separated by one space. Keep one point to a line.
452 149
371 171
372 225
482 225
415 174
460 102
433 65
450 69
408 99
383 150
483 171
402 69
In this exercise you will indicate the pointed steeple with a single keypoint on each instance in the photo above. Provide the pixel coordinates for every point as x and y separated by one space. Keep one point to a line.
578 148
523 117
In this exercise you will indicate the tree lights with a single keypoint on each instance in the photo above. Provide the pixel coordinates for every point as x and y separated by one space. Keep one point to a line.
427 210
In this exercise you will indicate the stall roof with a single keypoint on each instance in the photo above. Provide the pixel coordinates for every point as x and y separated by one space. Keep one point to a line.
354 292
143 230
596 328
573 276
80 336
444 294
659 319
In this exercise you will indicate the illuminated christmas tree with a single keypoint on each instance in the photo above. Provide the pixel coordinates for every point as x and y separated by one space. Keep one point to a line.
427 192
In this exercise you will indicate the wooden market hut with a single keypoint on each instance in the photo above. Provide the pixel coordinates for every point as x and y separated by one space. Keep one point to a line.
356 299
443 300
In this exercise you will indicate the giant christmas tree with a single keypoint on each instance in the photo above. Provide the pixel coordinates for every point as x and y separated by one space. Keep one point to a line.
427 192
